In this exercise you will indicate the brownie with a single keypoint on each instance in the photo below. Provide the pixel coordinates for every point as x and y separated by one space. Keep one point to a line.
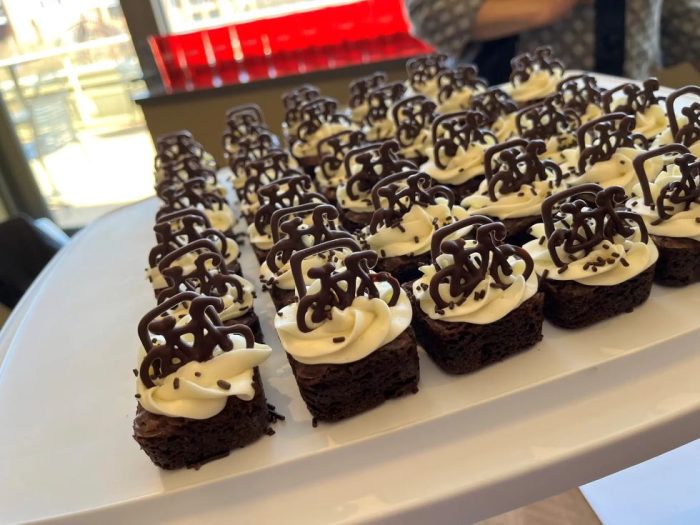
517 228
249 319
570 304
353 221
260 254
465 189
404 268
330 194
176 442
461 348
281 297
679 261
309 164
337 391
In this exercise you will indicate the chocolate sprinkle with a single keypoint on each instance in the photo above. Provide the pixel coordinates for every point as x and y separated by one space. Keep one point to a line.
340 339
176 383
224 385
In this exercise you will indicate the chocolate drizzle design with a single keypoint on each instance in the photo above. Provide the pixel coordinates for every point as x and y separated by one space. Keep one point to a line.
266 170
193 193
375 161
411 116
242 122
607 134
454 130
297 235
283 193
316 113
453 81
193 226
332 150
517 164
338 289
178 172
577 92
547 119
494 103
417 191
523 66
588 215
472 262
381 100
210 277
635 99
689 133
678 195
422 69
204 328
360 88
173 147
295 99
252 148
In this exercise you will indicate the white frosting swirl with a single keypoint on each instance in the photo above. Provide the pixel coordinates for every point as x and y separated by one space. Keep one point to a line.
283 277
495 303
187 262
199 396
637 257
464 166
524 203
666 137
350 334
540 84
459 100
223 220
262 241
681 224
420 146
308 147
359 112
651 122
616 171
505 127
416 232
429 88
380 130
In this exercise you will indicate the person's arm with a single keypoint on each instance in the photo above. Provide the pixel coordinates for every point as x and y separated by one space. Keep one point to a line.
500 18
450 25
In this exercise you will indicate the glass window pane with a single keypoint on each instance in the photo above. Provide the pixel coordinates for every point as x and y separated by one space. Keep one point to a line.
68 72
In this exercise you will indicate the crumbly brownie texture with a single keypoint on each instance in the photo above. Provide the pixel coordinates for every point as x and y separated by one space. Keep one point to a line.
404 268
249 319
260 254
353 221
334 392
330 194
309 164
570 304
461 348
467 188
518 229
281 297
679 261
176 442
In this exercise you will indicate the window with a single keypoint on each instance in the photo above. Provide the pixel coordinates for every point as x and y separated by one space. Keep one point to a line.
189 15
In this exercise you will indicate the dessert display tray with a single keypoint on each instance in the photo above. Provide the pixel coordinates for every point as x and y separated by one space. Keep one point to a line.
580 405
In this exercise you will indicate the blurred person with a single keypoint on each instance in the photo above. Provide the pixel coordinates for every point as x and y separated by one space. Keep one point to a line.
618 37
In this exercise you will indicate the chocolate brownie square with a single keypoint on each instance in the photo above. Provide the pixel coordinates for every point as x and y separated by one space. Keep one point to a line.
679 261
281 297
251 320
337 391
176 442
260 254
354 221
403 268
570 304
461 348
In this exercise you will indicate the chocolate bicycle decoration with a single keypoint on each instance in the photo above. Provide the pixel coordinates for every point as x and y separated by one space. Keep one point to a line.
453 81
472 262
600 138
494 103
332 150
209 277
541 59
381 99
338 287
193 193
577 92
547 119
403 191
374 162
360 88
635 98
411 116
170 343
689 133
452 131
425 68
587 216
510 165
293 234
316 113
284 193
678 195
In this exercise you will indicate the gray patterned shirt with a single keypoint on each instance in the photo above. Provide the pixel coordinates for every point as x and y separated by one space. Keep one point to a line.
446 24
